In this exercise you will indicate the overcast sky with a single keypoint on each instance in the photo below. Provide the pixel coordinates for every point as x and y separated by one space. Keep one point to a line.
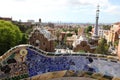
61 10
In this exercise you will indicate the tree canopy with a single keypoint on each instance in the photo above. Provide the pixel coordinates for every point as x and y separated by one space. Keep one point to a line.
106 27
10 35
102 47
88 29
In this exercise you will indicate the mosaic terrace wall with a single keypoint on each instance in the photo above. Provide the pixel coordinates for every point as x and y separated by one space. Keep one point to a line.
26 61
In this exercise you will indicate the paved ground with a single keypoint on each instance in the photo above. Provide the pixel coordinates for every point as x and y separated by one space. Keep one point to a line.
73 78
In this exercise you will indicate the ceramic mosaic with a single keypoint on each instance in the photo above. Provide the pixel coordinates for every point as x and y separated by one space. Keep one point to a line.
28 61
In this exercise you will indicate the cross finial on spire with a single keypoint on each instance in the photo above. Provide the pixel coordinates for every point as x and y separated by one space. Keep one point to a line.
98 7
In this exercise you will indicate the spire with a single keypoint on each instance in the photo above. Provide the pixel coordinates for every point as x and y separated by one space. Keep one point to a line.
95 35
39 23
97 17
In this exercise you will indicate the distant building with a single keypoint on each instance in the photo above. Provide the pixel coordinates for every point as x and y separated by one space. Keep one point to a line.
80 31
42 39
51 30
70 40
113 33
101 32
118 53
6 18
31 21
82 44
64 34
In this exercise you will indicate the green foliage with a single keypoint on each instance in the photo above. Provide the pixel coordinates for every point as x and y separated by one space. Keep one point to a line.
64 40
81 51
116 42
55 43
23 27
69 35
102 47
106 27
65 30
88 29
28 31
76 31
10 35
58 34
24 39
71 29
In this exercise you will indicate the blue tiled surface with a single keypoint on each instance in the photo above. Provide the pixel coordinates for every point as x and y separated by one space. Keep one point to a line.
38 64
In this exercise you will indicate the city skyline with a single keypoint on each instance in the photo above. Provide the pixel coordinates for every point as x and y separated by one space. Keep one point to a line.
73 11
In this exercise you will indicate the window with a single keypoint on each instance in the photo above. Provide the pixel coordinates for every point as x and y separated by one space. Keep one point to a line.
43 43
37 43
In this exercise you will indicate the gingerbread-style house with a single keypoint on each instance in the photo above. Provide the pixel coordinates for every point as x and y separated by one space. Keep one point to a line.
42 39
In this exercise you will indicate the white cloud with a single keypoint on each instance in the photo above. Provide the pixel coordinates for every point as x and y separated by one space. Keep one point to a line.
112 9
26 9
89 2
105 5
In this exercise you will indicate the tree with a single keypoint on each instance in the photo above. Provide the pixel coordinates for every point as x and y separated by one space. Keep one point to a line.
88 29
116 43
76 31
102 47
10 35
69 35
64 40
58 34
65 30
106 27
24 39
23 27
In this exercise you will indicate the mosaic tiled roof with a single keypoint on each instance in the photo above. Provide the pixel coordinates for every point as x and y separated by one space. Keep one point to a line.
79 40
46 33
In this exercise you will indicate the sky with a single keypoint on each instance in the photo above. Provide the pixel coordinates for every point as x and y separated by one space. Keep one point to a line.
70 11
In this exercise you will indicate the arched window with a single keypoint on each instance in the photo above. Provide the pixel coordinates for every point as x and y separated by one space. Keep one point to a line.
37 43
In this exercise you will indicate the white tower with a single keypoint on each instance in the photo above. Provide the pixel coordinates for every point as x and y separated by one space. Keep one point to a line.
95 34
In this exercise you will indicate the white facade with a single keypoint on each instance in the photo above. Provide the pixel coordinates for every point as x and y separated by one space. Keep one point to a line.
102 32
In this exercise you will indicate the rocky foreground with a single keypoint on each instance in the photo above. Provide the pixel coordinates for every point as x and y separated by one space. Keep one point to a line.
71 75
72 78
